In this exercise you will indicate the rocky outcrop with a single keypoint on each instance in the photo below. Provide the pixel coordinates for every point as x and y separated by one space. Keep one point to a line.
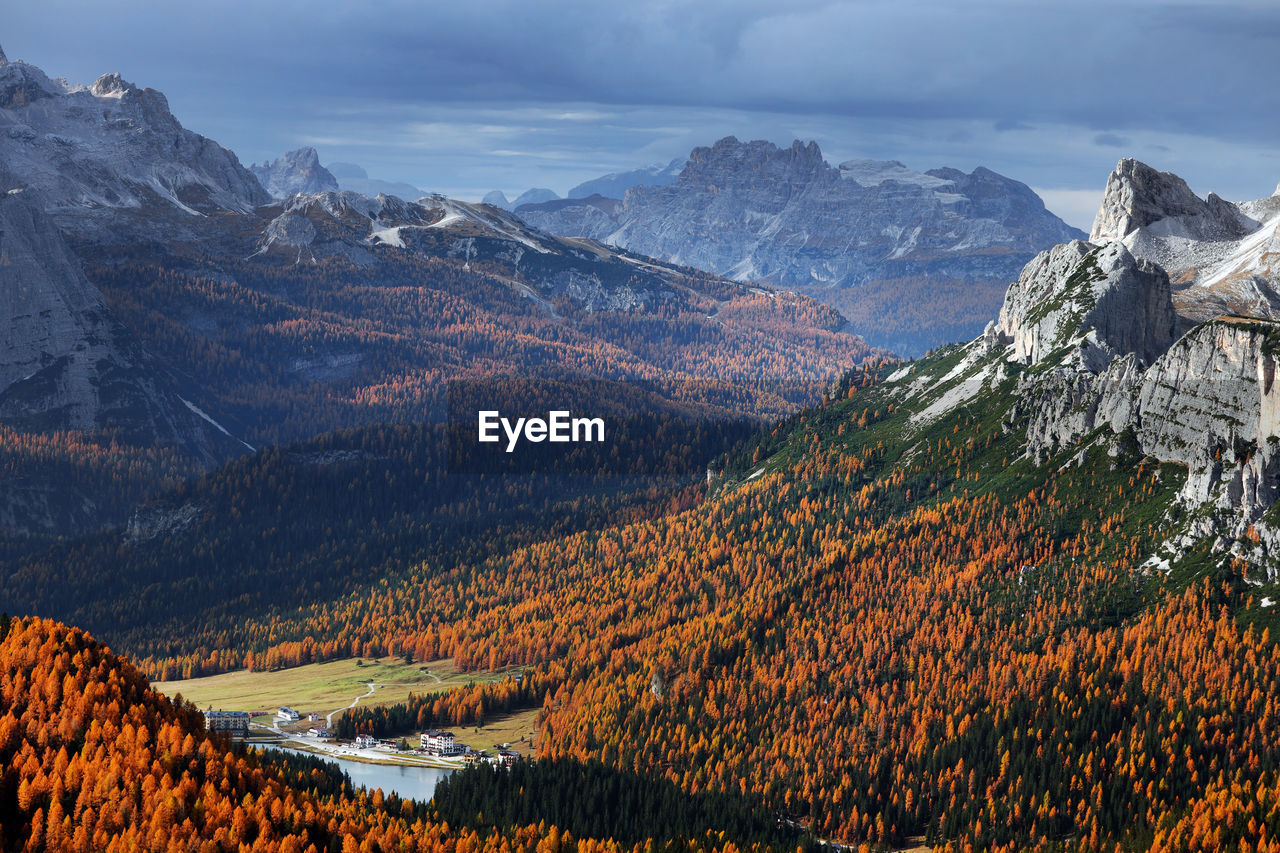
296 172
1224 256
1213 403
1138 196
1088 305
756 212
110 161
1087 347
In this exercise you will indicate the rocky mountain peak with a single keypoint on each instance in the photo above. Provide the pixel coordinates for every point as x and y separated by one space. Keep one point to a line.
111 85
4 60
298 171
1138 196
729 158
110 161
755 211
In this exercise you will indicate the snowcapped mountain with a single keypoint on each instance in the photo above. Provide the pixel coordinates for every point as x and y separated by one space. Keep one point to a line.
298 171
757 212
110 159
1223 257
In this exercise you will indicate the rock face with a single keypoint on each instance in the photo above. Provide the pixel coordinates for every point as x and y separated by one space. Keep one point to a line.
1088 304
754 211
1087 347
296 172
110 161
1224 257
1137 196
65 365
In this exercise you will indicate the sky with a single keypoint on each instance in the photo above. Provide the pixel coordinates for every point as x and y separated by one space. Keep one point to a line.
463 98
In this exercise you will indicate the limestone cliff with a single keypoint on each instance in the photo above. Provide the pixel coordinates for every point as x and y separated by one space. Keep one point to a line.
1088 352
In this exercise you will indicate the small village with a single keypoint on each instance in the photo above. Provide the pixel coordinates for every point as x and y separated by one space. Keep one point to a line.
437 745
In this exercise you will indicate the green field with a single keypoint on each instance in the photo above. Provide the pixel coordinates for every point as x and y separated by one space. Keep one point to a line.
321 687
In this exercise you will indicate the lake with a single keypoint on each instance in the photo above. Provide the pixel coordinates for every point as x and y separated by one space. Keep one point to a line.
412 783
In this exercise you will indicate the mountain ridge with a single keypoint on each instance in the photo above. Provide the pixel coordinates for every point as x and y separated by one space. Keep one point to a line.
755 211
111 160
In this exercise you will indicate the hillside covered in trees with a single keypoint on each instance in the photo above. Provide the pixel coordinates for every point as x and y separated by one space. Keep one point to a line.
878 629
94 759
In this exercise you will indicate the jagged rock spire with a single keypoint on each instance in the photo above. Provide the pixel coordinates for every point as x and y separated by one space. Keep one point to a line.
1137 196
4 60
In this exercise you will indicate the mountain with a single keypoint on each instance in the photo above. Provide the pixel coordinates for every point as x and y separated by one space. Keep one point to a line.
297 171
498 199
155 326
111 162
1135 341
1223 257
353 177
68 367
1018 591
537 195
873 238
616 184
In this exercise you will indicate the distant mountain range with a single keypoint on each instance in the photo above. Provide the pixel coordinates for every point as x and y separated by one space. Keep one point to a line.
914 259
170 308
300 171
612 185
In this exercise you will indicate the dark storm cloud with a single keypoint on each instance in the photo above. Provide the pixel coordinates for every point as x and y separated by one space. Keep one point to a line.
494 87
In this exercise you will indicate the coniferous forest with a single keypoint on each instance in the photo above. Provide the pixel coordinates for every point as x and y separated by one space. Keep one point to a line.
436 512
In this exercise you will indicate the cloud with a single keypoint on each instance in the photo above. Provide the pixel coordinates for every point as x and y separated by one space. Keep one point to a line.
423 90
1006 125
1111 140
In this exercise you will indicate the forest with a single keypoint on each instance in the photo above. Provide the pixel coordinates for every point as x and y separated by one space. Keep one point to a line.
94 759
884 633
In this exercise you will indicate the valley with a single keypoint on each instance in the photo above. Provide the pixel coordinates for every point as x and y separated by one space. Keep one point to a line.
916 518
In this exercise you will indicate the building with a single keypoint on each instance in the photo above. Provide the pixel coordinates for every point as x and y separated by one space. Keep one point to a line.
507 757
312 718
441 743
234 722
320 732
366 741
288 715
